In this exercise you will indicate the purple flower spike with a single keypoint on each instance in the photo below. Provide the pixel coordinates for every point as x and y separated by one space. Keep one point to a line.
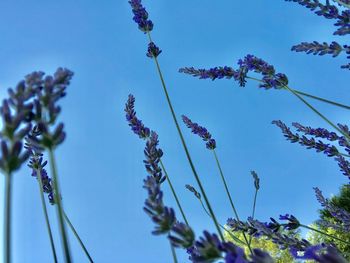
201 132
181 235
213 73
319 146
136 125
153 51
270 78
344 165
153 155
338 213
141 16
316 48
293 222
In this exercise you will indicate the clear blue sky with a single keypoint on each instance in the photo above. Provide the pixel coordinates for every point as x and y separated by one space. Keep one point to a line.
100 164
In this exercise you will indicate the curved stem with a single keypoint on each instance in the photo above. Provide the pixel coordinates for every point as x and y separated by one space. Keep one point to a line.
43 204
185 146
324 233
230 198
173 252
318 113
311 96
223 227
174 193
7 219
321 99
253 212
59 208
77 237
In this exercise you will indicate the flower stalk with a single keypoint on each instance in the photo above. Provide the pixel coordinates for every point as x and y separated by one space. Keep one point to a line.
47 221
184 144
7 219
77 237
59 208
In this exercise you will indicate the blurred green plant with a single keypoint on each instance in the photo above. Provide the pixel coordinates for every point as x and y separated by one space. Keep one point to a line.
342 200
280 256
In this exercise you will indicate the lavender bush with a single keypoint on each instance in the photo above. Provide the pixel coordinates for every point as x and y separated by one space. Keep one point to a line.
31 133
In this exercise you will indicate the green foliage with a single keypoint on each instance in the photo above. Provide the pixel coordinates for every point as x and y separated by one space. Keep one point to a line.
342 200
280 256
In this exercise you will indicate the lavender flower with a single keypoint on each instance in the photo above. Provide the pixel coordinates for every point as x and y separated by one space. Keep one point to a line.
328 11
293 222
344 165
213 73
49 90
270 231
153 155
316 48
207 249
320 253
193 190
319 146
319 132
338 213
37 165
162 216
181 235
12 132
201 132
256 180
153 51
342 22
270 79
141 16
136 125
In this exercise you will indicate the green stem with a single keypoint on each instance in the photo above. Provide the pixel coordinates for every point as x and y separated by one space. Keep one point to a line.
174 193
173 252
311 96
323 233
230 198
43 204
223 227
77 236
318 113
253 213
7 219
322 99
185 147
59 208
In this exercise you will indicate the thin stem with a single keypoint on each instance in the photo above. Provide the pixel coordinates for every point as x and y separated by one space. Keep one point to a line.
322 99
43 204
59 208
318 113
223 227
174 193
77 236
253 212
7 219
311 96
185 146
324 233
173 252
229 197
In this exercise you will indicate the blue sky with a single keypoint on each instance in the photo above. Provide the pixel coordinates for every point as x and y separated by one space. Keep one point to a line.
100 164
